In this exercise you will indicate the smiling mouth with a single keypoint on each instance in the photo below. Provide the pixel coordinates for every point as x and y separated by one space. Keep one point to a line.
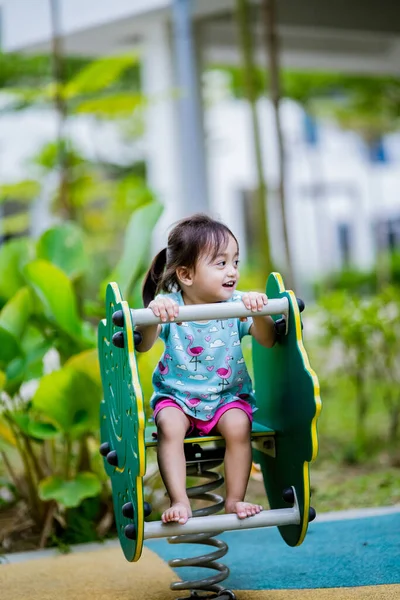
230 284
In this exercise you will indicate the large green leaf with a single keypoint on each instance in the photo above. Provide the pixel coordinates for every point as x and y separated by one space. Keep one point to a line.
15 224
63 246
15 373
13 320
34 428
132 192
24 368
23 191
136 246
30 364
9 347
99 74
48 156
70 400
119 105
88 187
16 313
86 362
89 335
13 255
56 293
70 493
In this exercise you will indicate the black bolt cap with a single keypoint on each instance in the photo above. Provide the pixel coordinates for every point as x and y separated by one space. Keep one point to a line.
118 318
118 339
112 458
130 531
311 514
288 495
147 509
104 449
280 326
137 338
300 304
127 510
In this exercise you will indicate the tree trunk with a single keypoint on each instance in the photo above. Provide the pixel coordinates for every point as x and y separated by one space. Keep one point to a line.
61 109
262 249
362 409
268 14
394 423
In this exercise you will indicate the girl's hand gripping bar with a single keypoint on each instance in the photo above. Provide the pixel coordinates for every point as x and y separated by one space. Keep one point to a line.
206 312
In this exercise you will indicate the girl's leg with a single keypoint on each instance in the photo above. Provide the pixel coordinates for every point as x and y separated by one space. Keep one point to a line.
234 425
172 425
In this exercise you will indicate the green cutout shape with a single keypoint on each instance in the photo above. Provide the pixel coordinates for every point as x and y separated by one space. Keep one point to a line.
122 421
287 392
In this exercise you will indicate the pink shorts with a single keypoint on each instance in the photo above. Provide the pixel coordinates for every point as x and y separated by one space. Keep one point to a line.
204 427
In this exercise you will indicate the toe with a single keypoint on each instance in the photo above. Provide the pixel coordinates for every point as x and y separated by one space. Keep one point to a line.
165 517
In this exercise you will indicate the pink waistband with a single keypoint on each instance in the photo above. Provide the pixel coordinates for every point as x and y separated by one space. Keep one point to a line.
204 427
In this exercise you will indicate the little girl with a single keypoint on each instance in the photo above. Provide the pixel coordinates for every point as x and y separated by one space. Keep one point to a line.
201 383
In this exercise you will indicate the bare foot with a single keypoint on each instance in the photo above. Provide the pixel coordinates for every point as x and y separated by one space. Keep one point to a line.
178 513
242 509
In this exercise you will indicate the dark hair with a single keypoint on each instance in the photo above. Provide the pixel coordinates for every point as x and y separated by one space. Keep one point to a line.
188 240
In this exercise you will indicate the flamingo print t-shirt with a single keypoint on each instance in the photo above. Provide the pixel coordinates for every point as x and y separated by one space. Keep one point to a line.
202 367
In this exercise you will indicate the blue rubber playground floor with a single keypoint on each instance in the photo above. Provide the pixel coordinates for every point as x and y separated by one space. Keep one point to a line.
348 553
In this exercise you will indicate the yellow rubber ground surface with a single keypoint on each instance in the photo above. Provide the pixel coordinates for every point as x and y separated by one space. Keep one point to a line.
100 575
106 575
380 592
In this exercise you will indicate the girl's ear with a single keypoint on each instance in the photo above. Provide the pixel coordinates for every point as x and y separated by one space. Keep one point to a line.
184 275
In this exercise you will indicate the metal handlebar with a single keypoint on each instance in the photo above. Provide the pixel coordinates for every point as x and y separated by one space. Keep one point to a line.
206 312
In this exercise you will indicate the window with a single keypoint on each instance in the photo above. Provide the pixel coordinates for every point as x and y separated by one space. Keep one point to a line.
387 234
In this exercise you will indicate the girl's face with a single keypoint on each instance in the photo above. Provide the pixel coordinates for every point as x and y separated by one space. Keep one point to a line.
213 280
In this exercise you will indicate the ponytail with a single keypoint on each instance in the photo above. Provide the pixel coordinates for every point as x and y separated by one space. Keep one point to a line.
153 277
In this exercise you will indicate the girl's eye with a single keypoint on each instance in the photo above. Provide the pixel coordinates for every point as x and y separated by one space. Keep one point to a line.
222 263
236 262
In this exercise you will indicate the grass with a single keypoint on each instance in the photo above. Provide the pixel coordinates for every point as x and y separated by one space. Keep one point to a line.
337 488
354 487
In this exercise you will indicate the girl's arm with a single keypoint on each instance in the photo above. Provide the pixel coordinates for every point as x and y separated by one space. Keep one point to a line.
163 307
149 335
263 331
262 328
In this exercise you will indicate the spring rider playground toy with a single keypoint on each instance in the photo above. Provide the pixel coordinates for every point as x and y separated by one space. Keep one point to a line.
284 436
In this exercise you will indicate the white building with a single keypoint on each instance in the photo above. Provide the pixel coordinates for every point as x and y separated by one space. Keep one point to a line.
202 159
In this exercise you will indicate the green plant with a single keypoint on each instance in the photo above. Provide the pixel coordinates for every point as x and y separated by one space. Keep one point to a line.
387 355
359 282
49 420
363 333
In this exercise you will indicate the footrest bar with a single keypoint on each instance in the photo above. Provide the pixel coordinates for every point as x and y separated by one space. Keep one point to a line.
220 523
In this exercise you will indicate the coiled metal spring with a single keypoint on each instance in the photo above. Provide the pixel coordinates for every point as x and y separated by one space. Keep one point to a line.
199 464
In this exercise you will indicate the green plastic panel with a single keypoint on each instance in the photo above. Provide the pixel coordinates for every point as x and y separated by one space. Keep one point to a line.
288 401
122 421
